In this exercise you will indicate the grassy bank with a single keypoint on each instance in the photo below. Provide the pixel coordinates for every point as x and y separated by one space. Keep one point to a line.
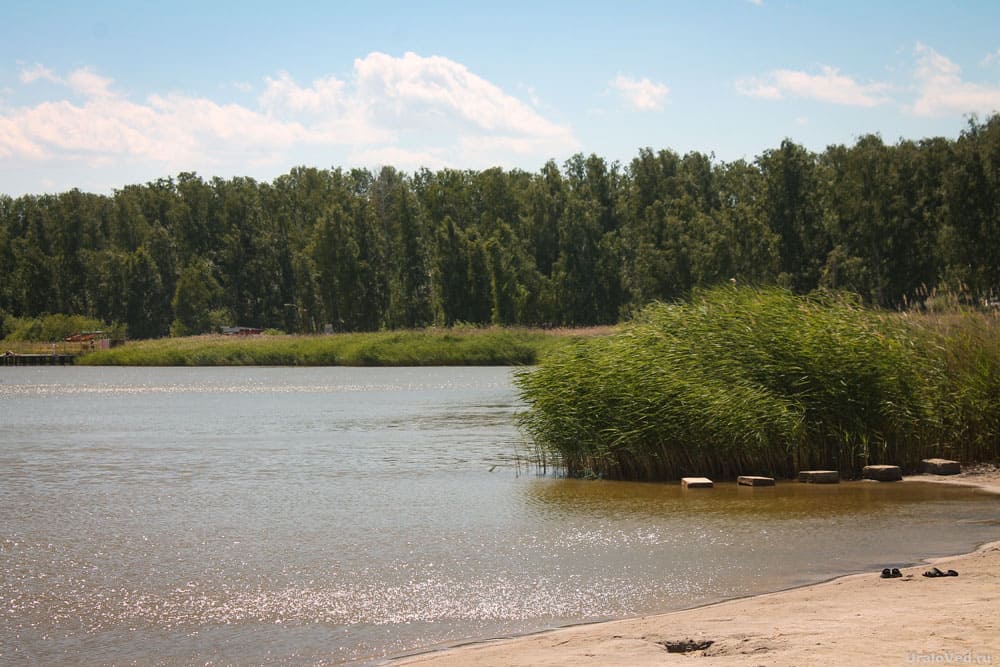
430 347
743 381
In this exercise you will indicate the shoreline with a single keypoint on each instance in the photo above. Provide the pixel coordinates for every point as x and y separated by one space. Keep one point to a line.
907 620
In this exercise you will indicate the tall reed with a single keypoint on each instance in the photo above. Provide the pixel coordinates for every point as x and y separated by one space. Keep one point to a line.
968 400
751 381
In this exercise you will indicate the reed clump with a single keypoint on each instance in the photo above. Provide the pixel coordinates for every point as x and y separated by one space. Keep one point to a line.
425 347
966 345
759 381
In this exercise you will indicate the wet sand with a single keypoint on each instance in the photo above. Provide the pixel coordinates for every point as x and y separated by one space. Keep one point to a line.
859 618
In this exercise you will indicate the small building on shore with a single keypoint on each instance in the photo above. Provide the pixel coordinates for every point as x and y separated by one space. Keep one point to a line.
93 340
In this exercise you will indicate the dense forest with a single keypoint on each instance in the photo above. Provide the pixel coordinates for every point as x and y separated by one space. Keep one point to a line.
587 243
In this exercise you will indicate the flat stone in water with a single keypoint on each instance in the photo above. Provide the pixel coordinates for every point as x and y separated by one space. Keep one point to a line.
819 476
940 467
882 473
753 480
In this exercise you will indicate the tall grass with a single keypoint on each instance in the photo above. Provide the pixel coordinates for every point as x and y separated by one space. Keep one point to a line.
967 343
745 381
431 347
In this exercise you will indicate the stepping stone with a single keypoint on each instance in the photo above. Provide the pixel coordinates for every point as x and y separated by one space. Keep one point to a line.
882 473
940 467
696 483
751 480
819 476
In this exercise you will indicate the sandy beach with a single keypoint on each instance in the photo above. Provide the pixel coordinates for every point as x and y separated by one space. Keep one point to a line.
857 619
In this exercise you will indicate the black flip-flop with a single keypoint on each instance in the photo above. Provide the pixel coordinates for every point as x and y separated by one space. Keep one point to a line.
886 573
896 573
951 573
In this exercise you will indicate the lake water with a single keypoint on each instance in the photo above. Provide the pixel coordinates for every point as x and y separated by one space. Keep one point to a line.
340 515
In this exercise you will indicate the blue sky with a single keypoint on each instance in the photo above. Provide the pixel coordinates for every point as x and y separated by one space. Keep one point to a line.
99 95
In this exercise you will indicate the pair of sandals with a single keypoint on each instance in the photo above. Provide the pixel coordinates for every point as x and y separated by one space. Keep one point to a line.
934 572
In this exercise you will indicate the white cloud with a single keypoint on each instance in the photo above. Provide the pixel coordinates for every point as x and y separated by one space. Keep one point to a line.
196 124
172 130
283 95
38 72
756 87
942 90
990 58
410 110
415 92
329 108
86 82
642 94
13 142
536 101
829 86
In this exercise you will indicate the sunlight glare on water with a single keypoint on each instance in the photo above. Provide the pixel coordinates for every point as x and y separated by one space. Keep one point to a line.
338 515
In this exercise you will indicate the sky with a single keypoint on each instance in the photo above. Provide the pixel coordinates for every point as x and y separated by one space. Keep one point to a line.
100 95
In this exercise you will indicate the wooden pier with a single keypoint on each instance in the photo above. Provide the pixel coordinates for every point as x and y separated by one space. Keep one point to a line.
52 359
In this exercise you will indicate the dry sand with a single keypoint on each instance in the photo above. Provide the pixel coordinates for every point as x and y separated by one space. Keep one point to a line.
858 619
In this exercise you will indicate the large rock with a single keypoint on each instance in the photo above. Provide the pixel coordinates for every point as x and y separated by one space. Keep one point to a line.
752 480
696 483
819 476
940 467
882 473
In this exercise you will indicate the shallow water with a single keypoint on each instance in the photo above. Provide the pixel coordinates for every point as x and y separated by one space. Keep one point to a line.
324 516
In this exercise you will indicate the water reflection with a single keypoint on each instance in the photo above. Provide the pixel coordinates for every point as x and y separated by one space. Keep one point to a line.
733 540
561 498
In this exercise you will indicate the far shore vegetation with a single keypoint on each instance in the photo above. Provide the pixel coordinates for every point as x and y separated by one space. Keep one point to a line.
429 347
872 339
453 346
733 380
583 243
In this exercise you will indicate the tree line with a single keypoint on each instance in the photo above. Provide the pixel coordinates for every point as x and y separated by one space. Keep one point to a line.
586 243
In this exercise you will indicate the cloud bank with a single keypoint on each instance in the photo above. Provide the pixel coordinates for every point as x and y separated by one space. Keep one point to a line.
413 110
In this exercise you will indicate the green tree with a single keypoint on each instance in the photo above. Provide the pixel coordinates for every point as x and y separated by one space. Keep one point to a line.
32 293
544 207
337 258
514 280
753 246
972 224
108 276
400 215
794 213
449 275
196 295
144 301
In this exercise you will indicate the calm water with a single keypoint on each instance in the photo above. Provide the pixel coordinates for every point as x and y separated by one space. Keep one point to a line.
324 516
